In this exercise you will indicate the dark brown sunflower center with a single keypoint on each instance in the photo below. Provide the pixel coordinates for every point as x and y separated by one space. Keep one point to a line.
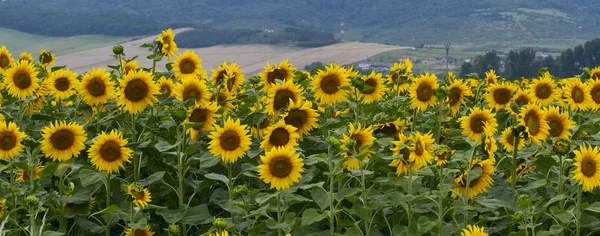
96 87
46 58
139 195
229 140
139 232
387 130
588 167
279 137
330 84
577 95
510 139
419 149
372 84
230 82
62 84
136 90
296 118
477 123
191 93
359 142
264 124
454 96
187 66
282 99
395 77
4 61
221 76
110 151
595 92
556 127
277 74
405 154
502 96
543 91
522 100
62 139
596 75
7 141
424 92
22 80
199 115
533 123
281 167
25 176
129 68
165 90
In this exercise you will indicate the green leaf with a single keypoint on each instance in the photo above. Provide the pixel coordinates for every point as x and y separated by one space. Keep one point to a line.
89 226
197 215
218 177
346 192
48 169
424 224
89 177
147 45
554 199
163 146
594 207
52 233
172 216
535 184
169 66
263 197
110 209
151 179
311 215
320 197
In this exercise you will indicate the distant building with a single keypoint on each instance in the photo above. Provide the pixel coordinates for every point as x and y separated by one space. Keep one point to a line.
364 66
540 55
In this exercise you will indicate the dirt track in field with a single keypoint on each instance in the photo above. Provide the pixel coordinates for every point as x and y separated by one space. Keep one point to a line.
252 58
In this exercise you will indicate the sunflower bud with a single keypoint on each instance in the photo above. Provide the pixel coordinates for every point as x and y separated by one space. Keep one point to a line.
358 83
178 113
118 50
240 190
518 216
443 154
542 72
45 57
254 80
220 223
174 229
561 146
33 200
333 141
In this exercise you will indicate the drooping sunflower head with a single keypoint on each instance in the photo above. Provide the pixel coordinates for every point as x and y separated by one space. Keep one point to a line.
23 175
473 230
281 167
109 151
5 58
205 115
422 92
137 90
576 95
191 88
281 94
457 92
477 184
402 69
473 124
47 58
224 100
587 167
140 195
96 87
166 42
280 134
271 73
129 66
231 141
166 87
523 168
390 129
21 80
507 140
228 76
594 91
2 208
443 154
187 64
301 116
595 73
139 232
327 83
26 58
362 138
491 77
402 151
63 141
543 90
374 88
63 84
499 95
10 140
535 123
559 122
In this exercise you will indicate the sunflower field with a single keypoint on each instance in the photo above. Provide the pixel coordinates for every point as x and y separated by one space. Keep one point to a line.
139 151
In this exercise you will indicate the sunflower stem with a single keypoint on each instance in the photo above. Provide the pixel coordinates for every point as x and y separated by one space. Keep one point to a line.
560 173
136 173
409 190
154 60
441 203
229 175
414 120
279 217
331 183
578 222
181 170
108 220
513 179
438 134
61 189
466 197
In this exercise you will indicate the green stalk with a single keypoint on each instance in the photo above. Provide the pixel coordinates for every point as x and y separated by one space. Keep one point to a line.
560 187
513 183
412 127
331 179
279 215
230 187
578 222
154 60
440 117
32 210
108 220
466 197
181 171
61 189
136 173
409 203
441 203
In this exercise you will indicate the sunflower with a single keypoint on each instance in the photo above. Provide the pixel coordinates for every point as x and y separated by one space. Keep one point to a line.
375 90
5 58
108 152
141 196
301 116
137 91
96 87
442 155
228 75
26 58
10 140
191 87
281 167
559 122
473 230
422 92
271 73
63 83
477 185
489 143
167 43
499 94
21 80
222 233
535 123
166 87
280 96
522 97
62 141
595 73
587 167
187 64
280 134
544 90
23 175
2 208
594 91
457 90
402 69
473 125
401 149
491 77
363 138
223 100
203 113
522 169
421 149
47 58
91 203
129 66
230 142
390 129
327 83
507 140
139 232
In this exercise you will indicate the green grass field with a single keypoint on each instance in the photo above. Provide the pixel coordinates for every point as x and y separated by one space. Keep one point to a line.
18 42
